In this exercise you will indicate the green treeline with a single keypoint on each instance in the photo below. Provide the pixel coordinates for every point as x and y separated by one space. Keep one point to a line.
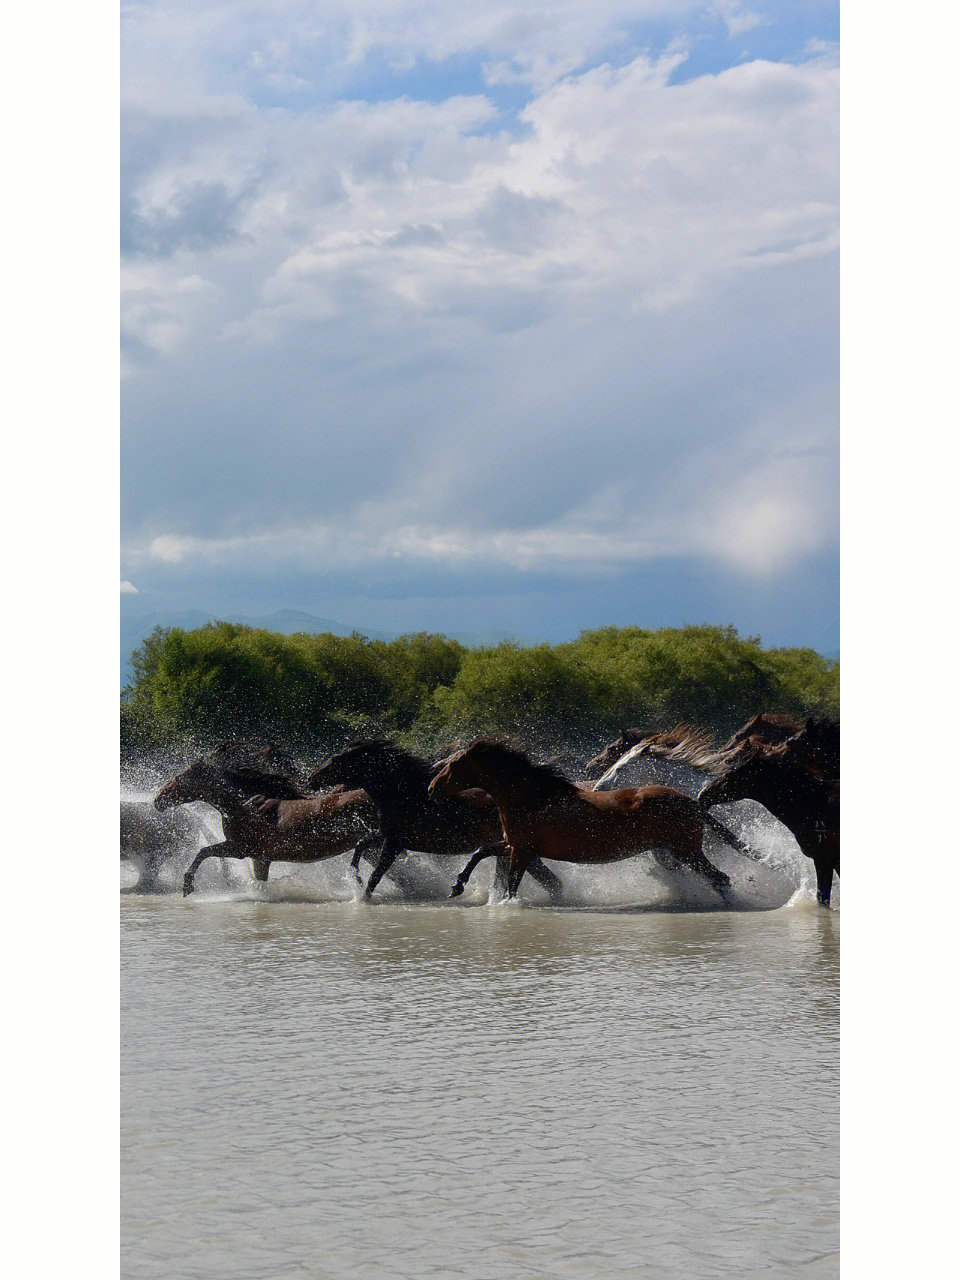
317 692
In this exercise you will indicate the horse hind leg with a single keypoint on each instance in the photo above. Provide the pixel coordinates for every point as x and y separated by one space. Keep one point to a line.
546 879
718 879
694 857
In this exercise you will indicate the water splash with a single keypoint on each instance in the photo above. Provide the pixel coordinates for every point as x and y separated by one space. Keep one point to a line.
158 847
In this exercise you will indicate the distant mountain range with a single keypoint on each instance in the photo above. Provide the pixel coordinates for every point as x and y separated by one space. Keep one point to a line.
285 621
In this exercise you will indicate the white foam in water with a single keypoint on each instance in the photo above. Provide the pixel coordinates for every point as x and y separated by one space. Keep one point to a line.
158 847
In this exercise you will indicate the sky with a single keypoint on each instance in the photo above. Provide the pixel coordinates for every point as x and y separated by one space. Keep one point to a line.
486 318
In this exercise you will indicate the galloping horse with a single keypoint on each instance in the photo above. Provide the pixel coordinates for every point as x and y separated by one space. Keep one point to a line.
805 802
397 781
546 816
284 825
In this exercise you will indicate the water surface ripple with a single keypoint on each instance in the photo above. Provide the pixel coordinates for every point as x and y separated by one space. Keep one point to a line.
344 1090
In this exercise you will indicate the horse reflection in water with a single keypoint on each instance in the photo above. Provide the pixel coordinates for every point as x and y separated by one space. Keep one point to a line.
544 815
266 817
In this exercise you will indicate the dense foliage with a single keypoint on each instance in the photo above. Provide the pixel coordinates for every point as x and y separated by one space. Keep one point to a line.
316 692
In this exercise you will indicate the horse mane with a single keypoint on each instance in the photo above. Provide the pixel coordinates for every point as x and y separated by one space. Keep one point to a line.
686 744
276 786
546 779
393 757
246 766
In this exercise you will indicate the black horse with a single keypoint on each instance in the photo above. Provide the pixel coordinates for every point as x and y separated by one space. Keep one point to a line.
266 816
816 747
449 826
804 801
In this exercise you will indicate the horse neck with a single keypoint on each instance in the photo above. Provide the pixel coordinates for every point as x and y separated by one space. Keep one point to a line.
391 782
508 794
225 799
788 799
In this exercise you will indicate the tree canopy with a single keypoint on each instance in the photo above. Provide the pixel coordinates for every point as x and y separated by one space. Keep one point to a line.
316 692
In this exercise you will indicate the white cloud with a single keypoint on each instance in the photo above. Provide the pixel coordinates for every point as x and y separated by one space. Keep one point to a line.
625 182
428 332
127 588
292 44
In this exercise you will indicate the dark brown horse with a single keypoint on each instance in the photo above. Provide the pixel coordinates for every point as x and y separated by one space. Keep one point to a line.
397 781
805 802
282 825
767 727
544 815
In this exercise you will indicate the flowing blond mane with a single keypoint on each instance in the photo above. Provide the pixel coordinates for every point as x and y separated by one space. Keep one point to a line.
689 745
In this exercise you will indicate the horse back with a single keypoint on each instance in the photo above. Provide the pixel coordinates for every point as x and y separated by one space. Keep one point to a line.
337 814
635 800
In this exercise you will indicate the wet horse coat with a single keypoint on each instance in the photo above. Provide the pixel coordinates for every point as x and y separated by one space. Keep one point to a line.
398 783
265 815
804 801
543 815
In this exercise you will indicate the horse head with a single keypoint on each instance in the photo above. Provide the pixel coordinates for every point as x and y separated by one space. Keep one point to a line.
184 787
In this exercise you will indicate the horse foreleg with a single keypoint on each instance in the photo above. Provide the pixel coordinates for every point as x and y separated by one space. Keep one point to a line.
362 849
718 879
261 869
520 858
824 881
387 859
488 851
692 854
501 877
222 850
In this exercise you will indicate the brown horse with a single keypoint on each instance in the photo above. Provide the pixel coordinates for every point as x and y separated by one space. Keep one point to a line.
805 802
544 815
767 727
281 825
398 782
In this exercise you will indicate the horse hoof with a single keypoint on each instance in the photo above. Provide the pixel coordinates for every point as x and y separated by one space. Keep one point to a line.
187 888
456 891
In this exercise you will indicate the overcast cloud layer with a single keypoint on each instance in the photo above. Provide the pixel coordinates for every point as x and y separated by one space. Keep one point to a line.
468 318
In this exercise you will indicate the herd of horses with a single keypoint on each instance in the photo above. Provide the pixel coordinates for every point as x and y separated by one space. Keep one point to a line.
491 800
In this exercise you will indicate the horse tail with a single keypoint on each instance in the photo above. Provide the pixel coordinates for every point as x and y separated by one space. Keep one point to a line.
728 836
